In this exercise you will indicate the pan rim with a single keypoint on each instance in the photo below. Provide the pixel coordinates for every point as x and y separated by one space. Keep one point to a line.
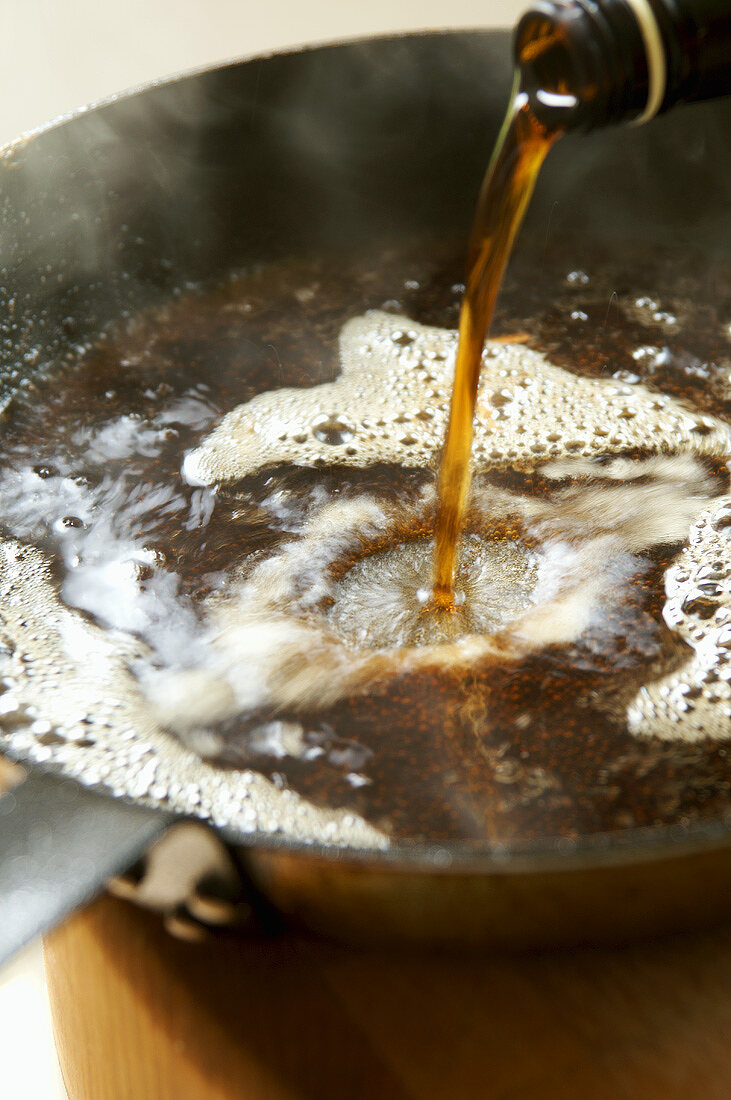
548 855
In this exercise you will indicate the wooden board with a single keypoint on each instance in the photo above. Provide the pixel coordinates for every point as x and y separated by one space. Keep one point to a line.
140 1016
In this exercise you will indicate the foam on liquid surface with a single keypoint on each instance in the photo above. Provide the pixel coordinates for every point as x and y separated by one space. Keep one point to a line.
391 398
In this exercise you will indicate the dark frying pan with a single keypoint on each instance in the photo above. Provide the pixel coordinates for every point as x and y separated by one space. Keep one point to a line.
112 209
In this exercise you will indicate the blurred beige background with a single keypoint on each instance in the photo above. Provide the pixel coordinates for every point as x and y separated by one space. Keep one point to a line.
58 54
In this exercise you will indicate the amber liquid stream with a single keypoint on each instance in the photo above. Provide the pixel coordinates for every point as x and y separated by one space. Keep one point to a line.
506 191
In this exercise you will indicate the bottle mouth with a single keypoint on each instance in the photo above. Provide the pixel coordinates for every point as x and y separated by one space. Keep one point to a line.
554 57
587 64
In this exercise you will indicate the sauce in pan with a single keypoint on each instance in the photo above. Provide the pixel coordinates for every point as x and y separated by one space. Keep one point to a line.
276 591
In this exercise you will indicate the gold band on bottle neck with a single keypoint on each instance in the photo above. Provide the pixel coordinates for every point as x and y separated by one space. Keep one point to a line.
656 60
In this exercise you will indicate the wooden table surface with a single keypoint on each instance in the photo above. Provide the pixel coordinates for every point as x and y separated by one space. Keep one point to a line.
140 1016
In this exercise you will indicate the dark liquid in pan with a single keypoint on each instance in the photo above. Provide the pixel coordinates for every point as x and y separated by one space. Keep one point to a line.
524 749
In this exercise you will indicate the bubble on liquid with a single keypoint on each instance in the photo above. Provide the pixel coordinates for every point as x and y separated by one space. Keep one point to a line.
45 471
332 430
577 278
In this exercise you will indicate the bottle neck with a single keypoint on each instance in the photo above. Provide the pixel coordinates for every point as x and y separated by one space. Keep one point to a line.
588 63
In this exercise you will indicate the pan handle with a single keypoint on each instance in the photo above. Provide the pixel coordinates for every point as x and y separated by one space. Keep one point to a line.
59 843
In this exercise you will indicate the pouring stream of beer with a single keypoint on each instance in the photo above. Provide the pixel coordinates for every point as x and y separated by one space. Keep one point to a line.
519 153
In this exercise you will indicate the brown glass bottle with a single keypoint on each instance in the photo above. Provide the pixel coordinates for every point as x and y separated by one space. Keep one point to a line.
588 63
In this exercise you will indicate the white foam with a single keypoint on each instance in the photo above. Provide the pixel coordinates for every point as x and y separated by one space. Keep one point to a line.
73 680
394 399
694 703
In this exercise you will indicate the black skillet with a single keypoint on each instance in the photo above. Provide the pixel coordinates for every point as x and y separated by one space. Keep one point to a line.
328 147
